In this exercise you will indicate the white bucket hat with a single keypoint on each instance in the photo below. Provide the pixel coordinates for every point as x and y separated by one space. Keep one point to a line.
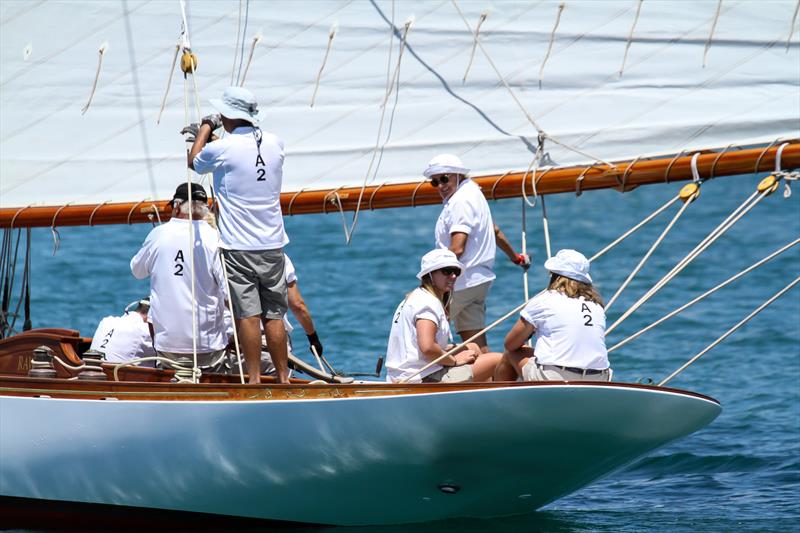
436 259
445 164
238 102
570 264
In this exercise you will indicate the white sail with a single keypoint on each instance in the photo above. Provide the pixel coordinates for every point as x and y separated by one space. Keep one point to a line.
664 101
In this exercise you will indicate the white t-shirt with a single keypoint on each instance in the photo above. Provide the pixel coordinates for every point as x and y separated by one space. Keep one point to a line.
165 258
248 188
403 356
569 331
467 211
122 338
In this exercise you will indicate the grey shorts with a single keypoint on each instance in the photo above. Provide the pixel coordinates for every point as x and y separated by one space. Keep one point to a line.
468 307
257 282
450 374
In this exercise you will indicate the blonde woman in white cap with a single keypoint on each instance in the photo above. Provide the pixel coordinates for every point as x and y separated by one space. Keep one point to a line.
569 323
465 227
247 164
421 330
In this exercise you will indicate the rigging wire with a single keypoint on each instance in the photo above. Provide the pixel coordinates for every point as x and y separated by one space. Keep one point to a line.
711 33
244 34
704 295
791 26
331 35
730 331
236 46
717 232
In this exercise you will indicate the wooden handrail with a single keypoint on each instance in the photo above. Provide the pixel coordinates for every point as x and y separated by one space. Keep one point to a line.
505 185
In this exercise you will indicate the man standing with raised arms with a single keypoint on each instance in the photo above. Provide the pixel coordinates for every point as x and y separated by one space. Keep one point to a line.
247 165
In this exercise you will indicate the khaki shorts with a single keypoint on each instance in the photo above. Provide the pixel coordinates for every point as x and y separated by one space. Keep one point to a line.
450 374
468 307
207 361
257 282
533 371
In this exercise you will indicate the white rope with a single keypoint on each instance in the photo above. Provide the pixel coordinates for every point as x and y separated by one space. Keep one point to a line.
102 51
791 26
730 331
169 82
717 232
711 33
552 40
171 362
191 227
635 228
546 228
630 38
349 233
256 40
236 47
524 251
652 249
704 295
331 35
481 20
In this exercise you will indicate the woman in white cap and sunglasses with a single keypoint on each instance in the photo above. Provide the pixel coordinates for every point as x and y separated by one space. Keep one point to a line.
569 323
421 330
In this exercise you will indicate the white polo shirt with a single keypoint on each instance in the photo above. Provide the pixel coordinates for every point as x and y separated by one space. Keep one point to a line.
467 211
164 257
122 338
569 331
403 356
247 184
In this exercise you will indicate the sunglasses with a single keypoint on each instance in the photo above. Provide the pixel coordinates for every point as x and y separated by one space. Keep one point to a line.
444 178
449 271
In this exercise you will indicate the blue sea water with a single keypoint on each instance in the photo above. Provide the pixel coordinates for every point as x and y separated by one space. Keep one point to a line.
740 473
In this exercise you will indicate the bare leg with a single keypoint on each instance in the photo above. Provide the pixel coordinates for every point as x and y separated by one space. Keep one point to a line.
250 339
484 366
275 332
515 361
505 371
480 341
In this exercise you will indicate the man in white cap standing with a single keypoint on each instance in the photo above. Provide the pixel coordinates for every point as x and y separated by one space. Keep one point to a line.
247 164
466 228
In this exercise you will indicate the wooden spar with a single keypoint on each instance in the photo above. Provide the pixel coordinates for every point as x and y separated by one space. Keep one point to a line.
623 175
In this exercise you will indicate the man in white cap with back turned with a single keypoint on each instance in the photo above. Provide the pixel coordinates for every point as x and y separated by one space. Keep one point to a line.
247 164
466 228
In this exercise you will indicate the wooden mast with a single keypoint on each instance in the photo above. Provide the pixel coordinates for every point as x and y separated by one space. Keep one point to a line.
623 176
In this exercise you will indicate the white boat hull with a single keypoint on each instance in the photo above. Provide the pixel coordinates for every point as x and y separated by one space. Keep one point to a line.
351 461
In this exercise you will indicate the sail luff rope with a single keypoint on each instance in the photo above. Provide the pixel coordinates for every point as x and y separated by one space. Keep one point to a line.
711 33
331 35
101 52
647 255
704 295
791 26
481 20
713 236
635 228
630 38
730 331
550 44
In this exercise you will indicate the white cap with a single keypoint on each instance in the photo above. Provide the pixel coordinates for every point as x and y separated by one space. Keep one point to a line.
445 164
570 264
436 259
237 102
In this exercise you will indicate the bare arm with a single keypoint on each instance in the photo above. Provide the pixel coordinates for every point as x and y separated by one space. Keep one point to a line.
426 338
504 243
299 308
458 242
518 336
201 139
